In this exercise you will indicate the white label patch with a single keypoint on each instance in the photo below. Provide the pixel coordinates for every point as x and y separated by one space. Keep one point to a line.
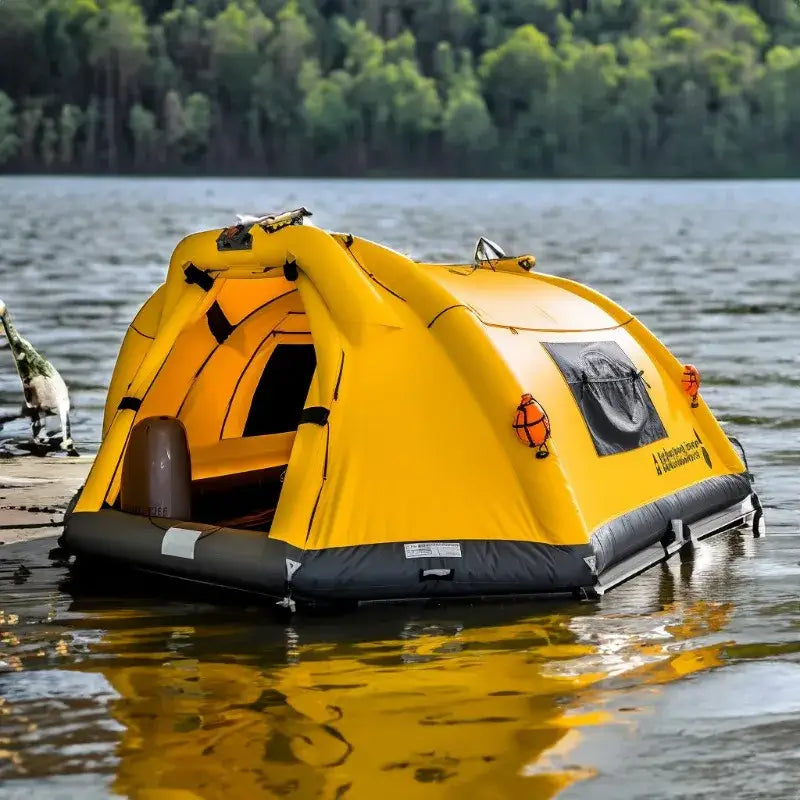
291 568
433 550
179 542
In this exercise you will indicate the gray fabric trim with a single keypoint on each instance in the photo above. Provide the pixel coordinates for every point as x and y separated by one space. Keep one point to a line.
240 559
625 535
382 571
250 560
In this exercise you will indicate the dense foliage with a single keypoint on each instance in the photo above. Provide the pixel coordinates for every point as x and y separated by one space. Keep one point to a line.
513 87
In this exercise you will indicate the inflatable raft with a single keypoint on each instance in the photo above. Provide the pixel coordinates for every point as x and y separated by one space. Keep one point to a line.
313 417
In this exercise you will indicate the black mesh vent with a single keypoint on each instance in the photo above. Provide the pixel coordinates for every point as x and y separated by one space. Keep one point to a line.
611 394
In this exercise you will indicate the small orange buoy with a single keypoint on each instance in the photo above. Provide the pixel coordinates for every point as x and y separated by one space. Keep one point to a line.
690 382
532 425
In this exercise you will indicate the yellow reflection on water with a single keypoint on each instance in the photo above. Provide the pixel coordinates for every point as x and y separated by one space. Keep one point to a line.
485 712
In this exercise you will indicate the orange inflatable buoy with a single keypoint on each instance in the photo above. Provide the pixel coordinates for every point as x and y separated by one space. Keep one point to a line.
532 425
690 382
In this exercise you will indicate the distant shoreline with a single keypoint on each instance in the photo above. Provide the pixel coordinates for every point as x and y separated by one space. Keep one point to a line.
410 177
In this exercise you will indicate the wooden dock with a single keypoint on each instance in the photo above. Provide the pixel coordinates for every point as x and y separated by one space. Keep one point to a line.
34 493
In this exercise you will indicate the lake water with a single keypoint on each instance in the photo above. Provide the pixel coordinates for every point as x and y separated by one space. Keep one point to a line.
683 683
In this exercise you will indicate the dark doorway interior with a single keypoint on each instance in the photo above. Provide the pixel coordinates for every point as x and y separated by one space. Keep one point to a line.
282 390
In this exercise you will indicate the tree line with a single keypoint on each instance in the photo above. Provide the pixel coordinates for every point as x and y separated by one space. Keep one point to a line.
389 87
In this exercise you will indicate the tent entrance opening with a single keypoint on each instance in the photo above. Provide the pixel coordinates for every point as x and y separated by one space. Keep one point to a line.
249 498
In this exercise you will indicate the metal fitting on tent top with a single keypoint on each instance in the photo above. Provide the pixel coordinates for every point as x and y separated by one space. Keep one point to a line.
527 262
489 253
274 222
235 237
238 236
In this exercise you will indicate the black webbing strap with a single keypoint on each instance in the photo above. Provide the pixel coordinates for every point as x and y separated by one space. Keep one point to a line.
316 415
198 276
129 404
218 323
290 270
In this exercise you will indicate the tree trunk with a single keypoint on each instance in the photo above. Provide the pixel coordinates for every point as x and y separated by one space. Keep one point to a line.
111 141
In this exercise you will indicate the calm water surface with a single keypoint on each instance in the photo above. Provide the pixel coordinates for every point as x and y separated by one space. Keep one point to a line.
684 683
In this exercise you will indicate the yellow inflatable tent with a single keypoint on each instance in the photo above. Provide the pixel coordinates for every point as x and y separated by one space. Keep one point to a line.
315 417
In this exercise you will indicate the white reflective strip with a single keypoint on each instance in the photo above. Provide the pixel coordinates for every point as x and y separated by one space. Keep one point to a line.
433 550
436 573
179 542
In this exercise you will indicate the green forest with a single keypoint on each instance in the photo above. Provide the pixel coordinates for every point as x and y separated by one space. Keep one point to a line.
557 88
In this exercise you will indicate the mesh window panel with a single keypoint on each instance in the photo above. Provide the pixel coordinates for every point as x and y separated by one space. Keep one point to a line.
611 394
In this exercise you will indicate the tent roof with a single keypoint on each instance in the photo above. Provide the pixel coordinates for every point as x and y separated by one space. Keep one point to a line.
522 300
